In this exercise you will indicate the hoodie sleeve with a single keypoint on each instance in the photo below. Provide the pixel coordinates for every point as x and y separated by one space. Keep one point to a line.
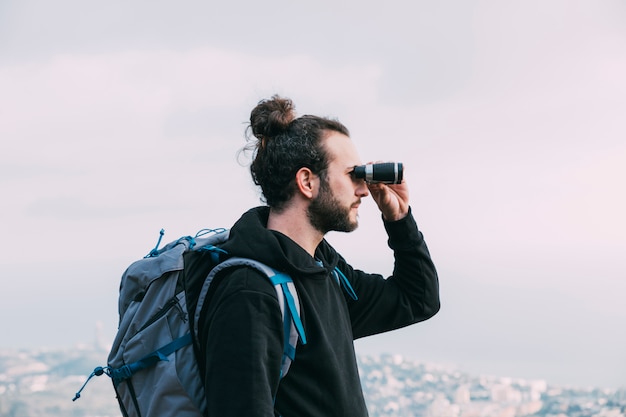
409 296
241 346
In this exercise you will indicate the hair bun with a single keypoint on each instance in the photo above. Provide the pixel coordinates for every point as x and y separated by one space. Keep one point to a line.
271 117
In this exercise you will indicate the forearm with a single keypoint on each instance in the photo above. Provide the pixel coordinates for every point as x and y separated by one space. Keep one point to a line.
414 271
410 295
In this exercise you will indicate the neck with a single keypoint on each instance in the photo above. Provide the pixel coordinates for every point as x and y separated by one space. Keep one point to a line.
294 223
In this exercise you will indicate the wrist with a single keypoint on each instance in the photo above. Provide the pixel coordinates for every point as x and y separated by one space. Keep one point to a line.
395 216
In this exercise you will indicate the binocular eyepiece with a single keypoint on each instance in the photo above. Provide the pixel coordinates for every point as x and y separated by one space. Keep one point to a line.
384 172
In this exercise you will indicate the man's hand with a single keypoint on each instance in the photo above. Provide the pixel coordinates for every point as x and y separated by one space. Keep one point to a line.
392 199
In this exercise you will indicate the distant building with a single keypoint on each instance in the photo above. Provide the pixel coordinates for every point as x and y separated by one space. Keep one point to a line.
462 395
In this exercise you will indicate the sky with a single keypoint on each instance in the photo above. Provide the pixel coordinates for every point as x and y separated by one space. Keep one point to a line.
118 119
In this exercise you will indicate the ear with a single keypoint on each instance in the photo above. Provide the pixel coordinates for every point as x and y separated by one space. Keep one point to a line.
307 182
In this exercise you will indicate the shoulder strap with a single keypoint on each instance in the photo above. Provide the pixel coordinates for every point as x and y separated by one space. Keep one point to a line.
287 300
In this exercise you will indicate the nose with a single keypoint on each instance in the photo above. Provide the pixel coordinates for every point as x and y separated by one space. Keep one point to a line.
361 189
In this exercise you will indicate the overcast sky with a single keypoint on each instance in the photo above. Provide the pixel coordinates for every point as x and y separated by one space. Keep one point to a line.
121 118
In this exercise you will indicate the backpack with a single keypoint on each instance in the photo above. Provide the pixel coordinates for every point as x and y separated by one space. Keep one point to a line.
152 362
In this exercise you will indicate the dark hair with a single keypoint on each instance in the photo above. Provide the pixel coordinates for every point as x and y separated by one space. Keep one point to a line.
284 143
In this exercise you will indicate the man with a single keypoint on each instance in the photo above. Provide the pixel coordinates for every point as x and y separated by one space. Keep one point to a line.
304 166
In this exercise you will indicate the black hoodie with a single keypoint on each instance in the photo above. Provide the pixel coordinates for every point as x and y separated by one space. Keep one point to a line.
241 329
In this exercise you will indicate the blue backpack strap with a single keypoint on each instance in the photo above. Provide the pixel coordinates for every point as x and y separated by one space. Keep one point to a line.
123 373
287 299
292 324
120 374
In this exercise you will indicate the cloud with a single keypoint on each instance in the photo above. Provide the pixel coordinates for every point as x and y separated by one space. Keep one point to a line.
118 120
128 135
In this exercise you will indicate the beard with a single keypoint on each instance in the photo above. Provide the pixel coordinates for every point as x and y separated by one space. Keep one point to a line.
326 213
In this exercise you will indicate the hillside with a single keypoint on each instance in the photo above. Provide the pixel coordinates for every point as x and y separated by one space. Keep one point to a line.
43 382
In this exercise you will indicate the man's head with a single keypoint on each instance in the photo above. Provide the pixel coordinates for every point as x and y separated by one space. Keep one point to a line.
284 144
288 148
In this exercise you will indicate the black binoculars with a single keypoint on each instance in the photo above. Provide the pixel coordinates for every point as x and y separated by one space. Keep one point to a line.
384 172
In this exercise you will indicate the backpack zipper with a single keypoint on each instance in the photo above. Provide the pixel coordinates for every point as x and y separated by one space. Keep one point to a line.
163 311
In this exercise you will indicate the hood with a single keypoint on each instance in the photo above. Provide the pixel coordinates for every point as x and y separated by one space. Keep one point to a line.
250 238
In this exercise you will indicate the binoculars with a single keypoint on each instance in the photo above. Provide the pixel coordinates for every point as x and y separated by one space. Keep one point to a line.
385 172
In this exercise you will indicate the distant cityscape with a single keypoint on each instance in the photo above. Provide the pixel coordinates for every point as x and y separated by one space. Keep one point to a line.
395 386
38 383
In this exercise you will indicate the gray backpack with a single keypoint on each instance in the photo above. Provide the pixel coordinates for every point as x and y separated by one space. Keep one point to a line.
152 362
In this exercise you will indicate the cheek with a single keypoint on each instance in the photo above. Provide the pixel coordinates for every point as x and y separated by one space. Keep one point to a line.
345 187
